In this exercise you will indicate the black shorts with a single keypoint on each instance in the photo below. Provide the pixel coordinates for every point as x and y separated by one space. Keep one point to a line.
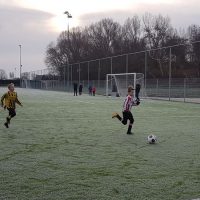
127 115
12 112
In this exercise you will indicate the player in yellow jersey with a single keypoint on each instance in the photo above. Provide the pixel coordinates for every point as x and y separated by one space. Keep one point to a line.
8 101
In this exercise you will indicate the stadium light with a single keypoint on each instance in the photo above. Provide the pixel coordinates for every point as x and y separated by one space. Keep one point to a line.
68 17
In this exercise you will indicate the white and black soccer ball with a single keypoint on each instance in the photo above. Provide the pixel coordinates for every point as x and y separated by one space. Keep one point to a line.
152 139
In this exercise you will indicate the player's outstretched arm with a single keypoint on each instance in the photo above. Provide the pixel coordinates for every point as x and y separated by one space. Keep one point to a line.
19 103
2 100
136 102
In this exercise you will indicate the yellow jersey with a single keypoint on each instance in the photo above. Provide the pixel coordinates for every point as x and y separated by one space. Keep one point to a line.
9 100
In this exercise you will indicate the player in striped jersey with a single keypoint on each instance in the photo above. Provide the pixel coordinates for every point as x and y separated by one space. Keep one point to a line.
8 100
127 115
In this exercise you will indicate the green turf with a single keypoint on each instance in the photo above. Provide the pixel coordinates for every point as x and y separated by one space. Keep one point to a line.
65 147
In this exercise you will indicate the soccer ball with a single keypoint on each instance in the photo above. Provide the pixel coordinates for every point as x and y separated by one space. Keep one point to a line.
151 139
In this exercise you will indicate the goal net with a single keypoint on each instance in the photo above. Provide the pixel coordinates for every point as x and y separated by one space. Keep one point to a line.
117 84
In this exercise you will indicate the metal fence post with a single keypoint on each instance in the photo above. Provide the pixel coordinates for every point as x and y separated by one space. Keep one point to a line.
145 72
184 89
111 65
111 70
68 75
79 73
170 72
126 70
71 78
64 76
157 85
99 74
88 73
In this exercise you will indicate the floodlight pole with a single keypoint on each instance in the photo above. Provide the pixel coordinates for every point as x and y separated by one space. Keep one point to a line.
68 17
15 74
20 63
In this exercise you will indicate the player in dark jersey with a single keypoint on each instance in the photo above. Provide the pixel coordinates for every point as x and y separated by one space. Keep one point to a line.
127 115
137 91
75 89
80 90
8 101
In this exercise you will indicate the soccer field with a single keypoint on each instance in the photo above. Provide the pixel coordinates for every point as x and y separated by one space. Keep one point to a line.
65 147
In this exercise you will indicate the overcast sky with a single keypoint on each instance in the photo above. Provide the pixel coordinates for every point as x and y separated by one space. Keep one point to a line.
35 23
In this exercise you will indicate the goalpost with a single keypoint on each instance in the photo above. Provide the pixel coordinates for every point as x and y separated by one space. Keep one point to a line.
117 84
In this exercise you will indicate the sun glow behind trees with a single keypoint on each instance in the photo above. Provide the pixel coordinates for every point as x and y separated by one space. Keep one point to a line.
79 8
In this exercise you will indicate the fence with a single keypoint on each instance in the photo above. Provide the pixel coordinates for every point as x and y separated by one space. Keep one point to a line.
4 83
171 73
182 89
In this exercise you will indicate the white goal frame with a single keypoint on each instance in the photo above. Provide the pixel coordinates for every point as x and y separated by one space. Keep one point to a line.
134 82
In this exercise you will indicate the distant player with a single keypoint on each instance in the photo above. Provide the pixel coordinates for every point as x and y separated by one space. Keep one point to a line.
80 90
8 101
127 115
93 91
90 90
137 91
75 89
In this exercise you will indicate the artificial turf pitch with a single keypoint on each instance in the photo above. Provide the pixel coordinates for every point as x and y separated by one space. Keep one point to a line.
65 147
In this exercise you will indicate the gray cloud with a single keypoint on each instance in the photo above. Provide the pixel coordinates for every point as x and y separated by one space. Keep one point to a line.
28 28
181 14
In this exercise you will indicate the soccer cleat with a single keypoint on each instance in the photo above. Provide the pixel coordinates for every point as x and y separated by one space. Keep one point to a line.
114 115
129 133
6 125
8 120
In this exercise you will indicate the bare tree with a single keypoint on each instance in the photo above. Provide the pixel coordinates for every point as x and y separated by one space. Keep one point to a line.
78 45
3 74
157 31
12 75
132 34
103 37
107 38
194 36
55 59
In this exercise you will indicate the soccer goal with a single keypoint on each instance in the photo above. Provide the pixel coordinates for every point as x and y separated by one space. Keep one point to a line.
117 84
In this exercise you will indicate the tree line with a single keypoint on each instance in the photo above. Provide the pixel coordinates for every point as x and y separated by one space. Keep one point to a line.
108 38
